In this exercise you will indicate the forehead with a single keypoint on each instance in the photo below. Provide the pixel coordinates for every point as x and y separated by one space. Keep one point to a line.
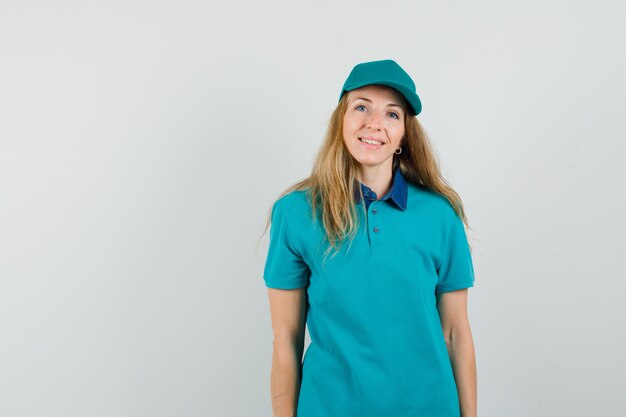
376 91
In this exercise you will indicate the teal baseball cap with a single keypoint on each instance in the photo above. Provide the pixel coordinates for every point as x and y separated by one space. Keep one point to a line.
385 72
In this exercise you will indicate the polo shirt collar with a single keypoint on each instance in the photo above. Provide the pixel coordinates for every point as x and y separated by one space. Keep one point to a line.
397 193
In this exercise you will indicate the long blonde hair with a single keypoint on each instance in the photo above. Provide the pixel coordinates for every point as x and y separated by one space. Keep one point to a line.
332 185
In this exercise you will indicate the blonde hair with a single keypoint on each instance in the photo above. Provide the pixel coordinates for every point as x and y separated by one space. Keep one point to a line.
332 185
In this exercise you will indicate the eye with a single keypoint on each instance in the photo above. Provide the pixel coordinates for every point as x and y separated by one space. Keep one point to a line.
395 115
360 105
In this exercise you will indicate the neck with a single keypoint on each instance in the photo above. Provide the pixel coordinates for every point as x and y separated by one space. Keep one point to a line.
378 178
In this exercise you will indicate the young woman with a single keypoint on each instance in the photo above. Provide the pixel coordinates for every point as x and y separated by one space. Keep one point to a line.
370 252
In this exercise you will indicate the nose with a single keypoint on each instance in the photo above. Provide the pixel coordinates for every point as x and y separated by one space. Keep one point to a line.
374 120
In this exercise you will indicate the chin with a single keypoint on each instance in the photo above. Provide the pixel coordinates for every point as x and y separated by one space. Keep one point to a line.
370 163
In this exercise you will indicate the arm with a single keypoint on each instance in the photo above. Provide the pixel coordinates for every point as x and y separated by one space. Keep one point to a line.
452 307
288 315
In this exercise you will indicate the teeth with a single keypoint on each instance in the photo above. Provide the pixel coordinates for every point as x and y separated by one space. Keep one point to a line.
371 142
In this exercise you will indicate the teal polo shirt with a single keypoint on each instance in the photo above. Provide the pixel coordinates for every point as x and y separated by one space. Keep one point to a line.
377 346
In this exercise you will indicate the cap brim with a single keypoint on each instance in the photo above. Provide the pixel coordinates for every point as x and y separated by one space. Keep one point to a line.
413 99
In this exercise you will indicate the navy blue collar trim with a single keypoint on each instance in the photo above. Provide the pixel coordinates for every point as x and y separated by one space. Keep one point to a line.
397 193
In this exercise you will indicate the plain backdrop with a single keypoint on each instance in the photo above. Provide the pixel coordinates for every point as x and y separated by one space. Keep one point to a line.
142 144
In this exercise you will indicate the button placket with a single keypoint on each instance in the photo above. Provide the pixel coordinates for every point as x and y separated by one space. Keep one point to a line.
375 229
377 246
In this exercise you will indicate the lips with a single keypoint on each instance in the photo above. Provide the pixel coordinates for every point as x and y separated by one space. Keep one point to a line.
371 140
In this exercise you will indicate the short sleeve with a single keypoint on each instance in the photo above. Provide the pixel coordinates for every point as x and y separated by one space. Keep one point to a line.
284 266
456 270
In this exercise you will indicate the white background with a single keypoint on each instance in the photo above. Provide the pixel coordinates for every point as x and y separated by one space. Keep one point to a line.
143 143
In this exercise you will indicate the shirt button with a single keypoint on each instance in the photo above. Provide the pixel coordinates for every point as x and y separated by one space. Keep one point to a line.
374 211
376 229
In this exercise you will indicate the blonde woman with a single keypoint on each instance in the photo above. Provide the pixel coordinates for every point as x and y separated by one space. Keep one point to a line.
370 252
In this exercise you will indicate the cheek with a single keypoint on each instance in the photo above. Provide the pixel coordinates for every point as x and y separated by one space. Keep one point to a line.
398 133
348 129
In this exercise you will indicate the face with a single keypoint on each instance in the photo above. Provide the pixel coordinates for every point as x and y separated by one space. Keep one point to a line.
374 113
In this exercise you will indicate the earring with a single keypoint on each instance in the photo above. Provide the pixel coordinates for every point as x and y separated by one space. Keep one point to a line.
399 149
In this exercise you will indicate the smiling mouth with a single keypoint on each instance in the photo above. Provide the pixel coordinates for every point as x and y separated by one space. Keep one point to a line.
371 141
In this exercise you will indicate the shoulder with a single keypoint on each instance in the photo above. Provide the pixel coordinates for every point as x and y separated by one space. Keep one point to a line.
291 200
293 212
430 201
293 205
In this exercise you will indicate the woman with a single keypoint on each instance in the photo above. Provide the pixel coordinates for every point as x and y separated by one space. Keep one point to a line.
387 312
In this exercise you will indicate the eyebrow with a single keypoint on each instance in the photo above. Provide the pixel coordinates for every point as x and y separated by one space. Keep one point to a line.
392 104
